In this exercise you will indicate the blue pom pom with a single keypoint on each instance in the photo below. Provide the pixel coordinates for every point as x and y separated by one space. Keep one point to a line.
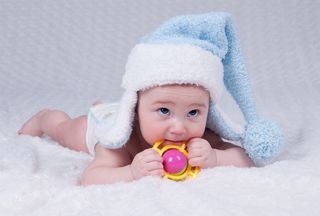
262 141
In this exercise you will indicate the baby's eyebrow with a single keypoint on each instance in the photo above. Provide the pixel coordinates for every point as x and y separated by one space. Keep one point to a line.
173 103
163 102
198 105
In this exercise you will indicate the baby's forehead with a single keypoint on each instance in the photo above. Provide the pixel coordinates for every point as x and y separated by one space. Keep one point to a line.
177 92
175 87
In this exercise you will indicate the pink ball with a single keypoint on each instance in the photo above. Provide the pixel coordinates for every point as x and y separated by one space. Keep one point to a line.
174 161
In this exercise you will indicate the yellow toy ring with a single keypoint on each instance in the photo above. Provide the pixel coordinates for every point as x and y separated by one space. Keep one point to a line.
189 171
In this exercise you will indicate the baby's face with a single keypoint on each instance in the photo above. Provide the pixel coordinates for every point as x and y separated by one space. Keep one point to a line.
172 113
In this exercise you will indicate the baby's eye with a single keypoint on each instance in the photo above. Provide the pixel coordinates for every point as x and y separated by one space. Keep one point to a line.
164 111
193 113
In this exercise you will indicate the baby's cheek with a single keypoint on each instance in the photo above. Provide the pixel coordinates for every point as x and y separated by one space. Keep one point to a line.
198 130
149 134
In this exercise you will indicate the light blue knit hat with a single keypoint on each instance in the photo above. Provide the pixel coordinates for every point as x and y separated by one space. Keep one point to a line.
203 50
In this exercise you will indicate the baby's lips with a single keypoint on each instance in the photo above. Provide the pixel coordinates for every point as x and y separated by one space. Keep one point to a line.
179 142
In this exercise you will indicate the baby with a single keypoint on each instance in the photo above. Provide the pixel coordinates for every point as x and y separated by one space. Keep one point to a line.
171 113
173 82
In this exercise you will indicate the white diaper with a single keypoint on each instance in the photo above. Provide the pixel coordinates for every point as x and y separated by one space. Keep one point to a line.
96 115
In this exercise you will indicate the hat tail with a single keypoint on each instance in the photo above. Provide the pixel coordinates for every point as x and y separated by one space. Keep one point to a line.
236 77
261 138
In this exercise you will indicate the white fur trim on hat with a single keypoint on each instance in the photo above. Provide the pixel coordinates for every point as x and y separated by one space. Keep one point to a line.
151 65
114 135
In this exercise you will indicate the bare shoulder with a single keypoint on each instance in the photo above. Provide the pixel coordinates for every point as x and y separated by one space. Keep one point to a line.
216 141
111 157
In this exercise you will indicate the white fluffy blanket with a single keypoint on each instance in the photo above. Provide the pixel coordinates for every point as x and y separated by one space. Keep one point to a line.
56 56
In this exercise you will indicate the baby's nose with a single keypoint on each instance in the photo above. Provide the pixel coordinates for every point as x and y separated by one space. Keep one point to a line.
177 128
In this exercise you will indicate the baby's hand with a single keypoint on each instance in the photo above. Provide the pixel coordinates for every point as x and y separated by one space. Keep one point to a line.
147 162
201 154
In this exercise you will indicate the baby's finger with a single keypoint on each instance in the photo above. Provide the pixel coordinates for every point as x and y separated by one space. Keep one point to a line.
152 158
154 165
194 145
197 161
151 155
149 151
195 153
157 172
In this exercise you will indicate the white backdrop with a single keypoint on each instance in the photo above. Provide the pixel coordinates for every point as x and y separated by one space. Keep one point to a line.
66 54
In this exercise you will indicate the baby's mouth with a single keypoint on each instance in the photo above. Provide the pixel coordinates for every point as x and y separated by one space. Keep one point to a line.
172 142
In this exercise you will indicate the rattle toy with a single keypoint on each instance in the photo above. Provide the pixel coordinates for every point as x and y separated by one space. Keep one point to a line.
175 163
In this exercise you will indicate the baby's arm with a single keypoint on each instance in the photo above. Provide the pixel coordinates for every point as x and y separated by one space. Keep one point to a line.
232 155
114 165
108 166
